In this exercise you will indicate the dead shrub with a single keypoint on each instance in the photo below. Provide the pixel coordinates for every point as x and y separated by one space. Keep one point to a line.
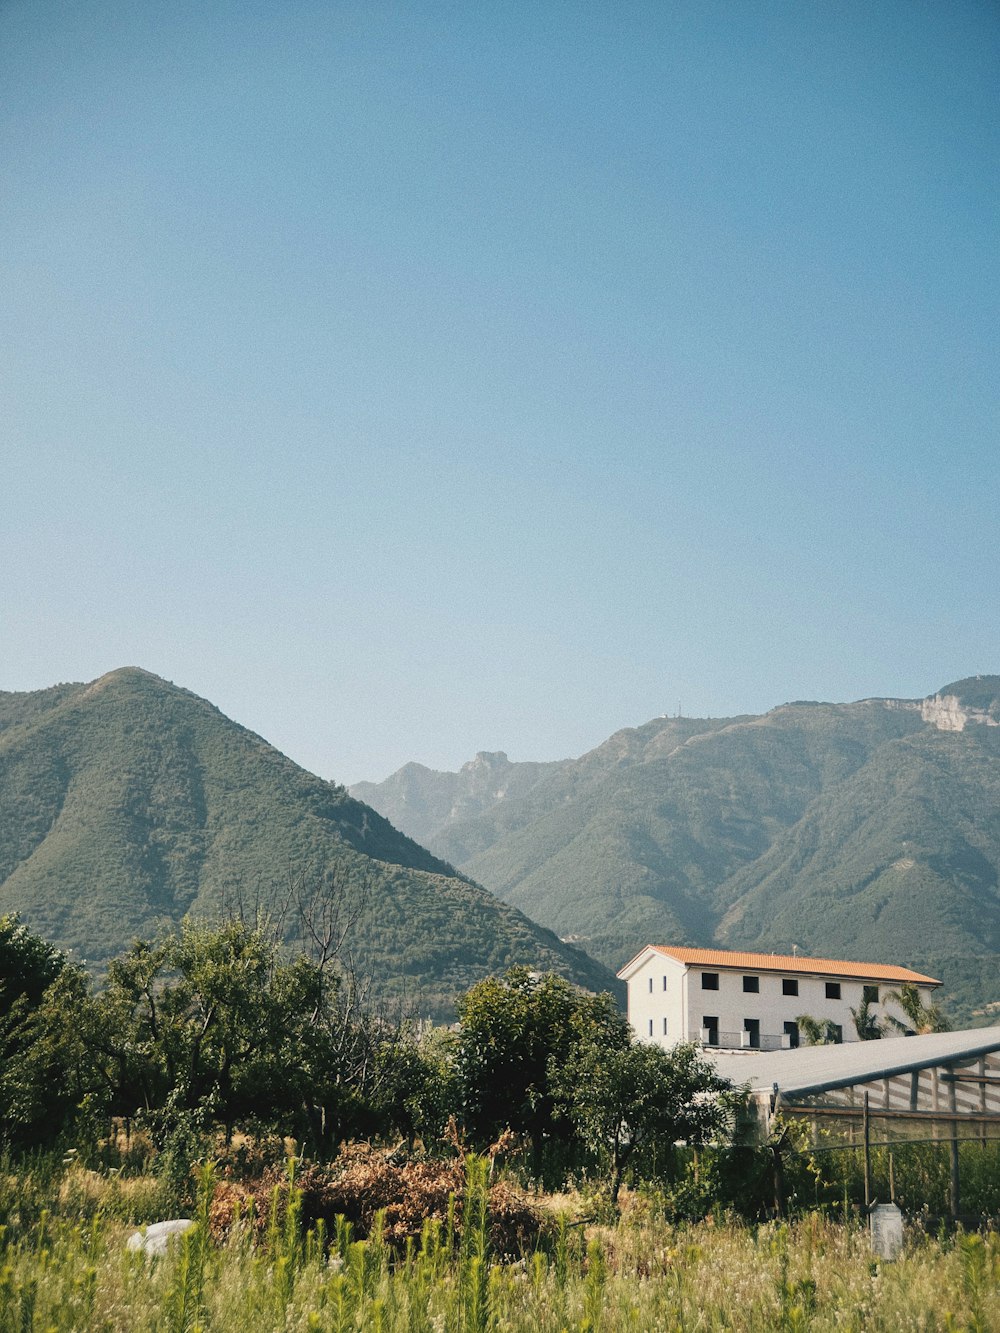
363 1181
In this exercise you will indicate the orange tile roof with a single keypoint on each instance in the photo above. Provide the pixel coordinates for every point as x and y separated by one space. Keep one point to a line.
777 962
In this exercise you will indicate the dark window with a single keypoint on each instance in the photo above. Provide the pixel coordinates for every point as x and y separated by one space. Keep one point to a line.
650 985
751 985
833 990
751 1026
650 1027
789 985
664 1027
869 994
664 983
792 1033
710 1025
710 981
838 1032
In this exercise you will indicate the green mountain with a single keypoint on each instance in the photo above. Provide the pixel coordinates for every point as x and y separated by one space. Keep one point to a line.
129 802
866 830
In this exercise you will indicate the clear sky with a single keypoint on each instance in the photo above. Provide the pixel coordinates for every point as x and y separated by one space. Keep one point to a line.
415 378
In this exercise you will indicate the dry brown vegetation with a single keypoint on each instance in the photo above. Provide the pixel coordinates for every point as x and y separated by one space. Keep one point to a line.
365 1181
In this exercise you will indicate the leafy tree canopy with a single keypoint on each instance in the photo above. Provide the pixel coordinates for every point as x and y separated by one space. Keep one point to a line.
28 964
624 1100
514 1031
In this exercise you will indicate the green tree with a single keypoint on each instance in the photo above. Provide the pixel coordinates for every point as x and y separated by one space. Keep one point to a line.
417 1088
48 1071
192 1017
625 1100
818 1032
44 1070
209 1024
212 1019
918 1018
515 1031
866 1021
28 965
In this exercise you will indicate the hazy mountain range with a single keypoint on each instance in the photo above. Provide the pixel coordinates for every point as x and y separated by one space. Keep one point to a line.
129 801
866 830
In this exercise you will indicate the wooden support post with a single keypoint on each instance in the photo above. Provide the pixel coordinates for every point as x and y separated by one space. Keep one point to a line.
955 1193
778 1168
892 1181
982 1095
866 1130
852 1098
935 1090
914 1089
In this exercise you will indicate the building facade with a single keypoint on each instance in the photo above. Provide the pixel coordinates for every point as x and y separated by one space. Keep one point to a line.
755 1000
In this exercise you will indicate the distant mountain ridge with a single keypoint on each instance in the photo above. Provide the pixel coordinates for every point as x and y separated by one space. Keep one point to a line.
129 801
869 829
431 799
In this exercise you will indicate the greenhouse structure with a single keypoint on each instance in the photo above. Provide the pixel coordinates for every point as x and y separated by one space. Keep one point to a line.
943 1087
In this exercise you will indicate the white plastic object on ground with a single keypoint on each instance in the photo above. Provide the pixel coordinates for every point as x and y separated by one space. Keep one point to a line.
154 1239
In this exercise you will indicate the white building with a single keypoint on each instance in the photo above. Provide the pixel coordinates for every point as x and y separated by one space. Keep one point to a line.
753 1000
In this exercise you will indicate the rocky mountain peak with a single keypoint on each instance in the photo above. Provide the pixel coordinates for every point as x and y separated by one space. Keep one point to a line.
487 759
976 700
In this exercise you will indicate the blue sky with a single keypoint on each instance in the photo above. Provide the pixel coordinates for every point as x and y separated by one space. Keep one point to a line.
418 378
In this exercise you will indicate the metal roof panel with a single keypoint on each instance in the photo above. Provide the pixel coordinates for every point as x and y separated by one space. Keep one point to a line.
810 1070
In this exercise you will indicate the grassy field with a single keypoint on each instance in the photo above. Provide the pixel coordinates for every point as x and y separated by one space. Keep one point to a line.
64 1266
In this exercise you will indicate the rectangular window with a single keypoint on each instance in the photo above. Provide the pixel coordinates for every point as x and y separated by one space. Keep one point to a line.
751 985
650 985
751 1026
838 1032
664 1027
650 1027
792 1033
833 990
869 994
710 981
664 983
789 985
710 1026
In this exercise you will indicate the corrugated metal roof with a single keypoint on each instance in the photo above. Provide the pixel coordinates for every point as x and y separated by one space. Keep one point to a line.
776 962
811 1070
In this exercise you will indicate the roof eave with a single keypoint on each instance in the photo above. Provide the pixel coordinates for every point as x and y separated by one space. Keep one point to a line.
655 950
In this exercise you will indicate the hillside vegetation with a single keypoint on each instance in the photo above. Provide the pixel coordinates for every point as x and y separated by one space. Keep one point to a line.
866 830
129 802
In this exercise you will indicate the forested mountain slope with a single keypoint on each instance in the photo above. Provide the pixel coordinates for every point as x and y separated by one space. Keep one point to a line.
129 801
863 829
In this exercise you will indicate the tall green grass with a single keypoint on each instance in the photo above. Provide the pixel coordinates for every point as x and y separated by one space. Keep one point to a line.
60 1272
